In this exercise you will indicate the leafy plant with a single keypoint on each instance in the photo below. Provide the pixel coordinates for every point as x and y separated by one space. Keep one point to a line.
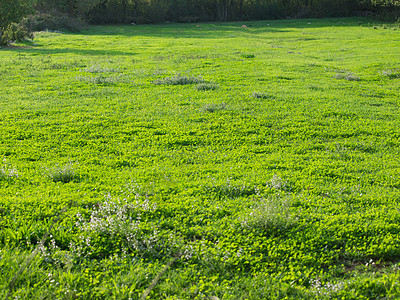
11 12
16 33
248 55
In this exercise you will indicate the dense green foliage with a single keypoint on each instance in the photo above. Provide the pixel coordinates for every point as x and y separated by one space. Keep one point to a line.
256 160
150 11
146 11
11 12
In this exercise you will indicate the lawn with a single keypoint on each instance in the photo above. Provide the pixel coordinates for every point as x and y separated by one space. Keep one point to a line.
202 161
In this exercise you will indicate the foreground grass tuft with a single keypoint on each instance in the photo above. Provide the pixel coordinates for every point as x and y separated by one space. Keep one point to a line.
62 174
271 215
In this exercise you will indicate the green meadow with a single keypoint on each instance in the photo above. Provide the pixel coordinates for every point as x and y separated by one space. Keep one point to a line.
202 161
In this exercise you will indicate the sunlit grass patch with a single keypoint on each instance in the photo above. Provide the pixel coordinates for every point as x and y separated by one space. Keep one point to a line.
331 143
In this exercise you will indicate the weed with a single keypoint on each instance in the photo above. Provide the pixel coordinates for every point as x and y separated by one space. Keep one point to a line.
278 184
101 79
271 214
248 55
206 87
348 76
260 95
392 74
230 190
326 289
100 69
63 174
116 224
211 108
7 172
315 88
179 80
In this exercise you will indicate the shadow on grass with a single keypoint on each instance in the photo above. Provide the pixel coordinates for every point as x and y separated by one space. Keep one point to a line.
224 30
244 29
36 50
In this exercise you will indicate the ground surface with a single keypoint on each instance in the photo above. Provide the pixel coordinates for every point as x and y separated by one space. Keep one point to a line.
202 161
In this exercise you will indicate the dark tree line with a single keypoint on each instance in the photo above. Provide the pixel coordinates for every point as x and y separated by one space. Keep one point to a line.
152 11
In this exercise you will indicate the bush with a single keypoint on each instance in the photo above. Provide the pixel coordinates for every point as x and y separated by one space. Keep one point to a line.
11 12
52 21
16 32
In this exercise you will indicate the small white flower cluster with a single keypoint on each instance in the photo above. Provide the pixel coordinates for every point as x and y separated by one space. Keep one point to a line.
278 183
52 254
188 252
270 214
8 172
118 218
325 289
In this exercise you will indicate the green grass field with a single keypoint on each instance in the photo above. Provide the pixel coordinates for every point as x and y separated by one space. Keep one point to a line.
202 161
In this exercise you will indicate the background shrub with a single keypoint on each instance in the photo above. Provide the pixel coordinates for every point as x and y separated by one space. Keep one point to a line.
16 32
52 21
